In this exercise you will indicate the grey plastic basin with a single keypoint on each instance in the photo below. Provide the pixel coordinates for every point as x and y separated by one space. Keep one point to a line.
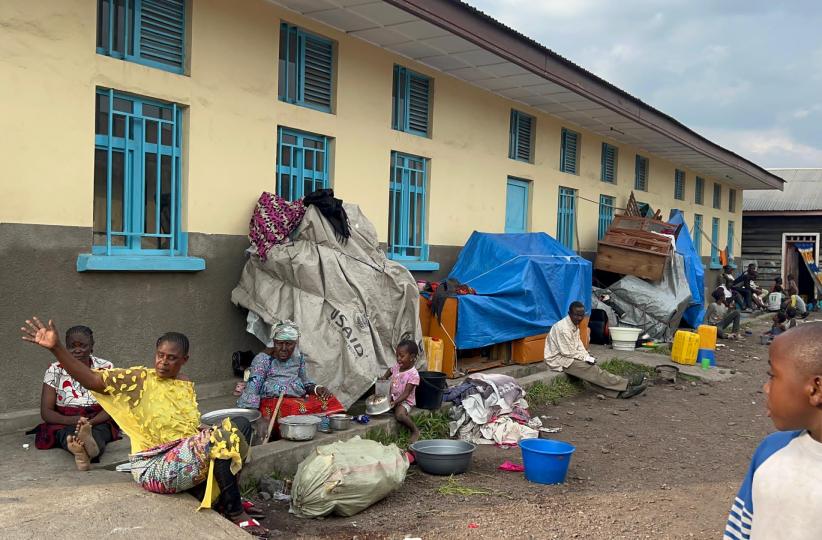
443 456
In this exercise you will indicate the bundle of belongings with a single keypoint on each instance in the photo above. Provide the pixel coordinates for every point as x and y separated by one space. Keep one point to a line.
317 262
490 409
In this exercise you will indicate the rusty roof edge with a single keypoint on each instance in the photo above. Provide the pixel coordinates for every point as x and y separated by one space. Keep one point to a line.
484 31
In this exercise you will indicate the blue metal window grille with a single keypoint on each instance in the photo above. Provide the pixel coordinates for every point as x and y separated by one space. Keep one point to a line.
302 163
149 32
606 215
521 142
717 196
732 200
568 158
730 241
407 207
679 185
699 190
715 242
641 173
697 238
137 187
566 218
411 100
306 69
609 163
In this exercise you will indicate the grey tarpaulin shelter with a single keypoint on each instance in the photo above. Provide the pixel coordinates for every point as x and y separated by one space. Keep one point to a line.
353 305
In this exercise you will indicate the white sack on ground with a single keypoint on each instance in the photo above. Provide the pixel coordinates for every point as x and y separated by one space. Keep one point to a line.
656 308
346 478
353 305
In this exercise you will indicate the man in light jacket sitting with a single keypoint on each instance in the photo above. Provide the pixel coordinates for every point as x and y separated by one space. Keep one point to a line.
565 352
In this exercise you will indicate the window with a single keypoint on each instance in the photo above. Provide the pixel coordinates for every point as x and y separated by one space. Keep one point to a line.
732 201
566 216
717 196
715 243
521 145
302 163
609 163
606 215
516 205
407 211
411 98
730 242
568 152
150 32
699 190
641 173
679 185
137 186
306 69
697 238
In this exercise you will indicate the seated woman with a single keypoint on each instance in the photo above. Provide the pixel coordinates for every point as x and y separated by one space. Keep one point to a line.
281 370
157 409
70 413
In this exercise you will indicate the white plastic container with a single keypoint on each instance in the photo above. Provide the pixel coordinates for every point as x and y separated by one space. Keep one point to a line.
774 301
624 338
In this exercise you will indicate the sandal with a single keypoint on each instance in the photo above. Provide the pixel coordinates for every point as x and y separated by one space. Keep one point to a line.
252 523
252 510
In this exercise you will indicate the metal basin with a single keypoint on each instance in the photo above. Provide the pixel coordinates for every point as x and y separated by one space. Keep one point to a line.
299 427
258 424
443 456
375 405
339 422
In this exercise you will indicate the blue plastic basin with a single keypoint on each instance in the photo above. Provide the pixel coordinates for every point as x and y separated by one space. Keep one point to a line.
545 460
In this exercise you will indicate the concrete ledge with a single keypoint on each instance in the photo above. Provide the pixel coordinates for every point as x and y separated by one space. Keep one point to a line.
651 359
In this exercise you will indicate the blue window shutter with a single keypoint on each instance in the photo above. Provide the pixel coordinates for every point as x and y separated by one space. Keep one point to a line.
679 185
715 242
162 32
697 238
609 157
316 69
717 196
568 151
302 163
606 215
566 217
641 174
513 134
732 200
521 145
699 190
730 241
411 107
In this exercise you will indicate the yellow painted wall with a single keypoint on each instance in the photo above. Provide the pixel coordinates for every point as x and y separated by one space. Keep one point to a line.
49 70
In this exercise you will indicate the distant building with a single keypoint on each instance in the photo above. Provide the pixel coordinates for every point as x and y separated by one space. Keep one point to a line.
138 135
775 222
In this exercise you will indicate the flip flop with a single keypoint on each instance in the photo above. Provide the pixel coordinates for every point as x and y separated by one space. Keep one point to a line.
249 523
252 510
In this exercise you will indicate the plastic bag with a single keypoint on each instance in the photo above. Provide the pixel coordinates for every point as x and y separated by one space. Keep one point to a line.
346 478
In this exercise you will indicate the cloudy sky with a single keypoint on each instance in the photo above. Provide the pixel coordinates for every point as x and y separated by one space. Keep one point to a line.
745 74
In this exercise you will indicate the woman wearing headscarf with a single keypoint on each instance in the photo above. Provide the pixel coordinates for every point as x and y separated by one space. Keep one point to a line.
281 370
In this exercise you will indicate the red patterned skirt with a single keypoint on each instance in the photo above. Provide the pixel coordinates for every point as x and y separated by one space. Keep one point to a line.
291 406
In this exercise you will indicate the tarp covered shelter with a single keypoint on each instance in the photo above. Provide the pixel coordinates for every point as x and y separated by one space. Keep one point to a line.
524 284
353 305
694 271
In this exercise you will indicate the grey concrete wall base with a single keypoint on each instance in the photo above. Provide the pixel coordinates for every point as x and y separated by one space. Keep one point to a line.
651 359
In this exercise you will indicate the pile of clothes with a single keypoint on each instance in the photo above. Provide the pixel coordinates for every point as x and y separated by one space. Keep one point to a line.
490 409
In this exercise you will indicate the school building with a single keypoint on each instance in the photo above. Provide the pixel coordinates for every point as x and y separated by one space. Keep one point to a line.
137 136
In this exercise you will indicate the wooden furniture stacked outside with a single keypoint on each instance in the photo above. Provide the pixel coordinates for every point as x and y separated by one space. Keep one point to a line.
636 246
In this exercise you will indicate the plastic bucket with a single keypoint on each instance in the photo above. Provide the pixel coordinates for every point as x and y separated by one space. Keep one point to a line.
430 390
545 460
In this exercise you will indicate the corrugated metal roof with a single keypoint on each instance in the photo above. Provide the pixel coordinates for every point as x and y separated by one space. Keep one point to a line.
802 192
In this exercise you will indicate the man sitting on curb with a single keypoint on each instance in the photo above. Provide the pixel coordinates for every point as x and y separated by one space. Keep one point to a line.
564 351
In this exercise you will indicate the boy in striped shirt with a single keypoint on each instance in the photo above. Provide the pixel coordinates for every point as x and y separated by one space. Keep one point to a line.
781 496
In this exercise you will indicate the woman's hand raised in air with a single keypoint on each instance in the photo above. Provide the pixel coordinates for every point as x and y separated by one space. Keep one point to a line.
40 334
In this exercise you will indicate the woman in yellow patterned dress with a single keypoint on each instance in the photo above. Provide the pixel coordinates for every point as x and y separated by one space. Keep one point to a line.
157 408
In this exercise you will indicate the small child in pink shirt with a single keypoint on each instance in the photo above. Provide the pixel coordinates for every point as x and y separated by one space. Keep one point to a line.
404 381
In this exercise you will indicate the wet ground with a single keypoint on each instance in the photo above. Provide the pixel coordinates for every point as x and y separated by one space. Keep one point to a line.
664 465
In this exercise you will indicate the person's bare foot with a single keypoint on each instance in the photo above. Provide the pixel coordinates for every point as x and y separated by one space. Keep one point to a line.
77 448
415 436
83 432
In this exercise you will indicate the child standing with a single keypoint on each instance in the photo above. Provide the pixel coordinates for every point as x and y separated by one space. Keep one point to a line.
780 495
404 381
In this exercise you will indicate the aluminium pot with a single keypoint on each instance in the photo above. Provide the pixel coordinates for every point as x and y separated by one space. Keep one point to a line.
299 427
339 422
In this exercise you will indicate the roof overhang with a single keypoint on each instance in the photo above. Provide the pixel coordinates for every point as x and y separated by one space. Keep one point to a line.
458 40
782 213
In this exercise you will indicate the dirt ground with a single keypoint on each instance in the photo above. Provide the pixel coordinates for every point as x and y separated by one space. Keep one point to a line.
664 465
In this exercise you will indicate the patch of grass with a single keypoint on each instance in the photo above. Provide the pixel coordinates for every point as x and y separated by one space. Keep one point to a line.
452 487
248 488
432 425
624 368
553 392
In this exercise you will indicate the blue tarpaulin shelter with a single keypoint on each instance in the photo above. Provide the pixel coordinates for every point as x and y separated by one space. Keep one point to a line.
524 284
694 270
